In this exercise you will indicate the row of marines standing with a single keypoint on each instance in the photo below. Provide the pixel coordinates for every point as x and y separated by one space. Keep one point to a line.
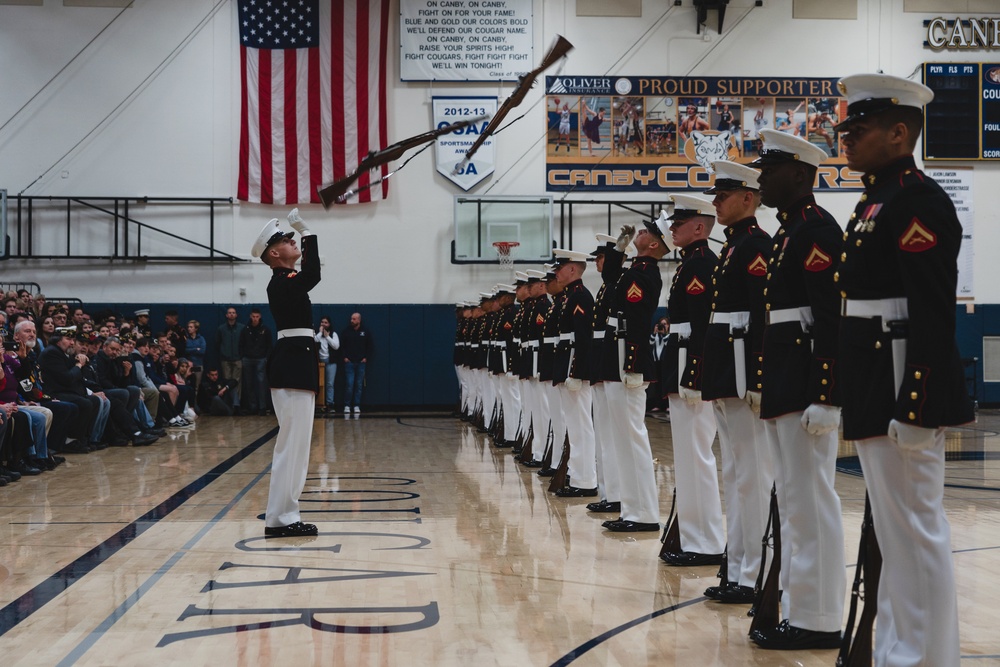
769 341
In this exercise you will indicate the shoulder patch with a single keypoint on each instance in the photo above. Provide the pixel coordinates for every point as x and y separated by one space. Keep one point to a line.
758 267
695 286
817 260
634 293
291 274
579 310
917 237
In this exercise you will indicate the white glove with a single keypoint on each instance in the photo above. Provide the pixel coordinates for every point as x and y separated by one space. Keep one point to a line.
911 437
819 419
692 396
633 380
297 223
753 400
624 238
574 384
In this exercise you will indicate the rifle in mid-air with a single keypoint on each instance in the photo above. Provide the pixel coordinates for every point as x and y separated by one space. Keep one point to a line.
561 47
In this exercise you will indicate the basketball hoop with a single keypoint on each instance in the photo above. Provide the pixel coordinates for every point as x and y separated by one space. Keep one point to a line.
505 252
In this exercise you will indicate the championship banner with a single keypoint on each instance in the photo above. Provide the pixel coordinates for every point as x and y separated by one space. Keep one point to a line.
464 40
450 149
649 134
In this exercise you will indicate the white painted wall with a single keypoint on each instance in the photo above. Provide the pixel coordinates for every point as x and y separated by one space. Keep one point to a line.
171 68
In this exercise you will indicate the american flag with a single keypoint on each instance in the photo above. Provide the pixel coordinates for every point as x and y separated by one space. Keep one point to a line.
313 78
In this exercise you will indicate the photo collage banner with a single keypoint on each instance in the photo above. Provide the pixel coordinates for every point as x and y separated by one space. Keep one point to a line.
650 134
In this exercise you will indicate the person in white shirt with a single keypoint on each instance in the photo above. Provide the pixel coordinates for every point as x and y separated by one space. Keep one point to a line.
328 342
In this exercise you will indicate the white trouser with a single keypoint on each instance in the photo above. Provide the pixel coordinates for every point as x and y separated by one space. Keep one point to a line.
489 398
580 426
558 417
636 477
510 397
813 568
747 476
541 419
607 464
917 621
294 410
476 388
463 386
699 506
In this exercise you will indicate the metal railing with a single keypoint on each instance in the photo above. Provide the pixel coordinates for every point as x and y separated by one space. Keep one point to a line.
29 218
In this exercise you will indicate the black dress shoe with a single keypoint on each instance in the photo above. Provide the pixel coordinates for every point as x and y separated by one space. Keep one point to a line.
42 464
623 526
118 442
575 492
297 529
158 432
607 523
604 506
546 472
531 464
690 558
25 469
74 447
787 637
736 595
57 459
713 592
143 440
11 475
97 446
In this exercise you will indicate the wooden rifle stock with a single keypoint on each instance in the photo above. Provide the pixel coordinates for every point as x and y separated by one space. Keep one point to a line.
561 47
768 596
339 189
670 541
558 480
858 653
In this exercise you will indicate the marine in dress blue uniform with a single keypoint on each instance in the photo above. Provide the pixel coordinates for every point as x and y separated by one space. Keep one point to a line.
292 369
731 374
800 396
627 368
700 526
901 375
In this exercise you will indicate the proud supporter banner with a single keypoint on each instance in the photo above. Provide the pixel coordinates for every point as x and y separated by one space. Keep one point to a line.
647 134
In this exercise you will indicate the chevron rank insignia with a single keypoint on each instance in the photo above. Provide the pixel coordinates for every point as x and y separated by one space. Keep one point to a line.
758 267
579 310
539 319
695 286
291 274
634 294
917 238
508 326
817 260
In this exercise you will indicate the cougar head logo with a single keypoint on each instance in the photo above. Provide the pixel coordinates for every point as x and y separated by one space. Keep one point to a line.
708 147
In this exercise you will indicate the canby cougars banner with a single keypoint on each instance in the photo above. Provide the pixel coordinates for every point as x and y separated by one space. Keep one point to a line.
648 134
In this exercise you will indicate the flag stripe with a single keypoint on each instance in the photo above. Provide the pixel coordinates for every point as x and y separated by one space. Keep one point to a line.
264 111
314 110
244 159
290 146
361 91
383 123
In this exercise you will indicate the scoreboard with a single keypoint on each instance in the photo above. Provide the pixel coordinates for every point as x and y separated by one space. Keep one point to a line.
963 120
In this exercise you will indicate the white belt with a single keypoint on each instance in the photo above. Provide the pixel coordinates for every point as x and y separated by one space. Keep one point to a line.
890 310
567 336
734 320
500 343
551 340
533 343
801 315
682 329
295 333
474 345
598 335
613 322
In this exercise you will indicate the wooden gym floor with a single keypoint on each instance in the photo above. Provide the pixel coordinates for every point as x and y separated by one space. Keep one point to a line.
434 549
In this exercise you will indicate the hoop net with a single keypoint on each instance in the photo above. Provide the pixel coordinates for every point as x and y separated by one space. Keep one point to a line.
505 252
